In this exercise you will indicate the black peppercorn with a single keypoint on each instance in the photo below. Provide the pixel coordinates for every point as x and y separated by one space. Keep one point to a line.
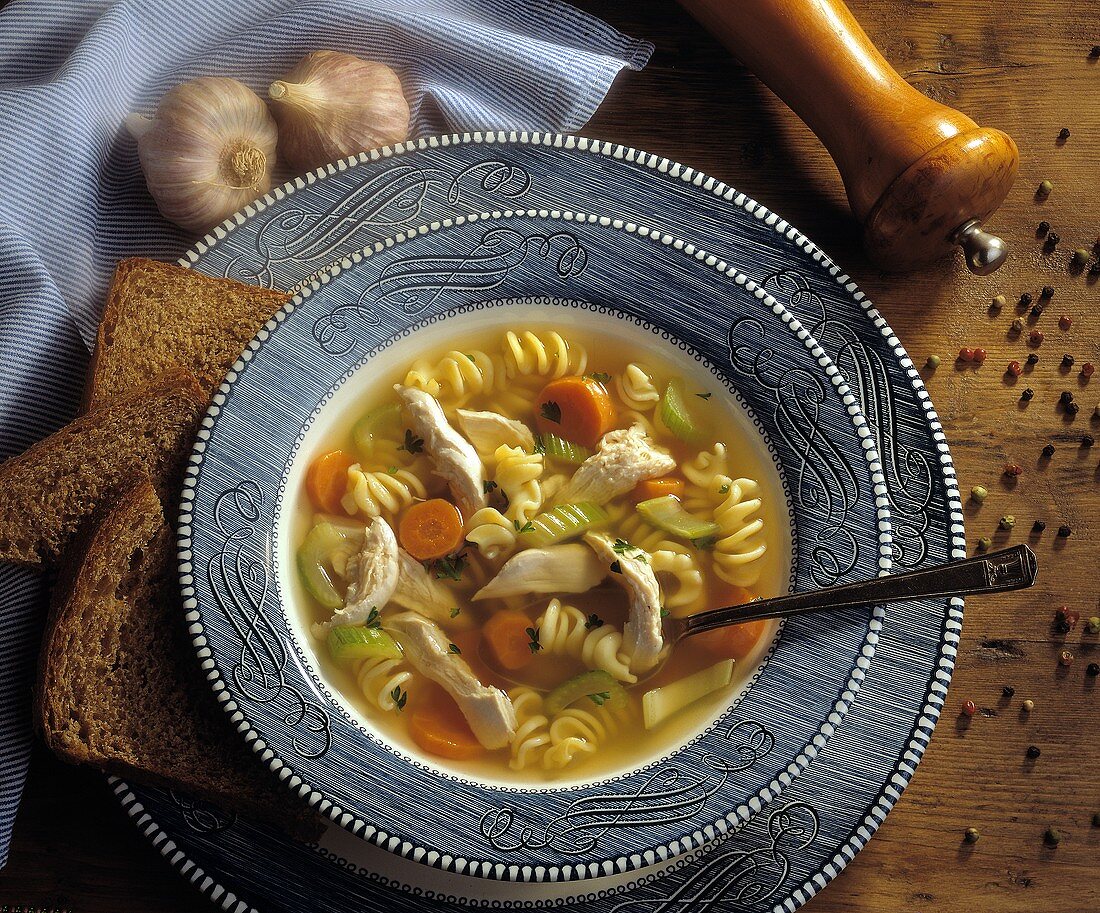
1072 408
1066 398
1064 531
1033 358
1033 751
1025 300
1095 52
1088 440
1063 134
1036 312
1038 526
1052 837
1047 291
1061 624
1092 670
1008 691
1048 451
1027 394
1042 228
972 835
1067 360
1053 238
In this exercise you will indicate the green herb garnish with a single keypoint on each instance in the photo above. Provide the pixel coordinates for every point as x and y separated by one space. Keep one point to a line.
450 568
593 621
616 568
724 490
706 543
374 620
551 411
533 634
400 696
455 611
453 648
599 377
488 486
527 527
624 548
413 444
599 697
703 395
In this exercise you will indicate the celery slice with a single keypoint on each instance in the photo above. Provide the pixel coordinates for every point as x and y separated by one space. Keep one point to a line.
315 561
383 422
676 416
667 513
558 448
598 686
661 703
348 643
564 522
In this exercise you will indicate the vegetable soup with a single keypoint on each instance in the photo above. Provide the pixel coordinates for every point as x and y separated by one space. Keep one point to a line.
488 541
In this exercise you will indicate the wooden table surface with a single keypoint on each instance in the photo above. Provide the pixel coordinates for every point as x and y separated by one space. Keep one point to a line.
1022 67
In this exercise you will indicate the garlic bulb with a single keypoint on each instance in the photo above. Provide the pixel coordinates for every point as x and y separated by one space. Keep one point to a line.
332 105
207 152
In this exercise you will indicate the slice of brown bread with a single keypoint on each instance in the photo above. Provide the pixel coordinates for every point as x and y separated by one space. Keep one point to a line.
48 491
159 316
119 686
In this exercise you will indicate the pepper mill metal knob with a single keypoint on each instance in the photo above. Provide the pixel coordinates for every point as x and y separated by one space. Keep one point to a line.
921 177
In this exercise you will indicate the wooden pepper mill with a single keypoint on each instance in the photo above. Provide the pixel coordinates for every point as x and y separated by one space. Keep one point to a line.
921 177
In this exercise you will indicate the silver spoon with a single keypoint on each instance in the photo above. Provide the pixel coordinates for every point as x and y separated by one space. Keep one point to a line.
1010 569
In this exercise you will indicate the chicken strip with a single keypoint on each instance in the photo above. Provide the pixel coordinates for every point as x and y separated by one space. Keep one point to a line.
488 710
489 430
372 574
558 569
420 591
452 456
624 458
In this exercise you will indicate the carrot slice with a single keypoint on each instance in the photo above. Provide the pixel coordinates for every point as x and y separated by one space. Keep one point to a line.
327 480
578 409
437 725
431 529
648 489
506 639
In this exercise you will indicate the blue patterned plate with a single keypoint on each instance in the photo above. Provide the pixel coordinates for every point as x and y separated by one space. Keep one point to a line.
800 841
383 307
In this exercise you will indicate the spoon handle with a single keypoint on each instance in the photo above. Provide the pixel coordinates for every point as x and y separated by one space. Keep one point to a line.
1011 569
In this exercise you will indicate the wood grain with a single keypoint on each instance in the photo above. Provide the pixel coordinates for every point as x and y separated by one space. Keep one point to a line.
1021 67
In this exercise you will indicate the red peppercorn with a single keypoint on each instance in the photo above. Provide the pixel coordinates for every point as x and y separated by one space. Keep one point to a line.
1015 369
979 356
966 354
1013 469
970 708
1088 369
1065 658
1035 337
1065 322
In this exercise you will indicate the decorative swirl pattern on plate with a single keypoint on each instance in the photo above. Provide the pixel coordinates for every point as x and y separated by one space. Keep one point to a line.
414 284
394 197
824 480
671 793
239 581
908 470
200 816
730 878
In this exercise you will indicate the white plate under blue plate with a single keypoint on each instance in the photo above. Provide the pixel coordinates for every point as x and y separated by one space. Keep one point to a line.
826 816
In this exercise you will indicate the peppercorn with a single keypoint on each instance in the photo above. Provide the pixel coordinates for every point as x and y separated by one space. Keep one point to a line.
1033 358
1038 526
1065 322
1033 751
1025 300
1029 393
1017 325
1095 52
1080 257
1008 691
980 356
1052 837
1047 291
1061 626
1013 469
1065 658
1066 398
1042 228
1072 617
984 544
1096 817
1072 408
1092 670
998 302
933 361
1045 187
1088 440
1092 626
1096 410
979 493
1014 368
1007 522
969 708
1048 451
1035 337
971 835
1053 238
1064 532
1028 705
1067 360
1065 620
1063 134
1094 270
1088 369
1036 312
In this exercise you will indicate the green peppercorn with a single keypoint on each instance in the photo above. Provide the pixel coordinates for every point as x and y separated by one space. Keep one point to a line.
1092 626
933 361
1045 187
979 493
984 543
971 835
1080 257
999 301
1007 522
1052 837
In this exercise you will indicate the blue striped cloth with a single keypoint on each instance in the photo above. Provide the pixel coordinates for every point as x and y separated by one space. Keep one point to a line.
74 199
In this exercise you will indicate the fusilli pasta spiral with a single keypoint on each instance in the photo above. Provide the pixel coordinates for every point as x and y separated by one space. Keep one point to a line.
740 545
380 492
546 354
677 560
378 678
578 731
637 388
562 632
458 376
492 532
532 728
701 471
518 474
